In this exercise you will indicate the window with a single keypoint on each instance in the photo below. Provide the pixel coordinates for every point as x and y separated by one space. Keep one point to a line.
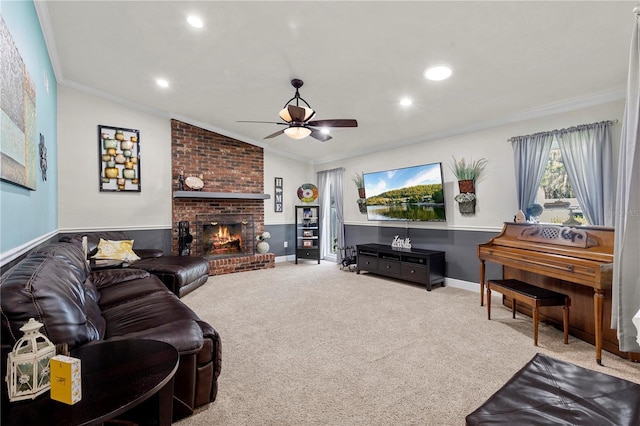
555 193
587 159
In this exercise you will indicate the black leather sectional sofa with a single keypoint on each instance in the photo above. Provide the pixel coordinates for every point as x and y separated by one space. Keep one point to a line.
55 285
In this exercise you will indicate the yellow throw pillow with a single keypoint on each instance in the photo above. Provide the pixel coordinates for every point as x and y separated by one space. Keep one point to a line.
121 250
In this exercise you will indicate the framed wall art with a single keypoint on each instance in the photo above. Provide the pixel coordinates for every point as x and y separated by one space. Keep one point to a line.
18 137
119 158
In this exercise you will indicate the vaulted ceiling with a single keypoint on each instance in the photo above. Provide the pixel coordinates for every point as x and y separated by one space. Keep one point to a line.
510 59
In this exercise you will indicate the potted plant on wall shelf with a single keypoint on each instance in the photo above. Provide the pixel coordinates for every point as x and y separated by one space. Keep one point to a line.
466 202
467 172
358 179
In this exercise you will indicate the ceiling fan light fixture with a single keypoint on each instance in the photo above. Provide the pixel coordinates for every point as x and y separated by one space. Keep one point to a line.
296 132
284 114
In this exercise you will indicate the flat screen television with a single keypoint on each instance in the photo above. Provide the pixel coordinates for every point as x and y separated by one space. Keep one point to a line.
410 194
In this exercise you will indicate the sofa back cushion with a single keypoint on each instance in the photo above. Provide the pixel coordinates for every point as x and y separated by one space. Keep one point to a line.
93 239
51 285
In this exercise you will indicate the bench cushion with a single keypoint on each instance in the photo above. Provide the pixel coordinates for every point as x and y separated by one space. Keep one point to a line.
528 290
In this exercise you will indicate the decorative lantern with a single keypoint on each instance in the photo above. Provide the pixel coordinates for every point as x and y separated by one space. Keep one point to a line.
28 363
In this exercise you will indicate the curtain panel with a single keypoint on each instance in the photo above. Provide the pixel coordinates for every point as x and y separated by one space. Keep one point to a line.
330 184
530 155
626 268
586 152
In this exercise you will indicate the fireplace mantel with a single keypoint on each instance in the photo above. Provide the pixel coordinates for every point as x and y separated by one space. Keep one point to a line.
220 195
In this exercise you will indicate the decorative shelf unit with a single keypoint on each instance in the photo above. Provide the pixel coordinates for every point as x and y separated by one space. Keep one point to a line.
415 265
308 233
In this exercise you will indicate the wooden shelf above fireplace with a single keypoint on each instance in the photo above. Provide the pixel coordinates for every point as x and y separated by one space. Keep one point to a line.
220 195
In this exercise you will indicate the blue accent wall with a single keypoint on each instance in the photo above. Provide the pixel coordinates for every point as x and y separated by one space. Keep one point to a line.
26 216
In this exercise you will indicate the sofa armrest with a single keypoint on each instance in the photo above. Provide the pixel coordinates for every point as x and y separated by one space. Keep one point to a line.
148 253
106 277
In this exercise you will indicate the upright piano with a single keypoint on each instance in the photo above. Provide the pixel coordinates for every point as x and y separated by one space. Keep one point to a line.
577 261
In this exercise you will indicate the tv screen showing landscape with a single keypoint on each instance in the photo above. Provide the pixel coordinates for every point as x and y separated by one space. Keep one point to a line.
409 194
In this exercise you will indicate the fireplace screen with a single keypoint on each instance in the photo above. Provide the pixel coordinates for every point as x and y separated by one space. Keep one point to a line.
224 235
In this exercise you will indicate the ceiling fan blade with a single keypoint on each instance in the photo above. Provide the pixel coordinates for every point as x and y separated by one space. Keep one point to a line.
317 134
265 122
273 135
334 123
297 113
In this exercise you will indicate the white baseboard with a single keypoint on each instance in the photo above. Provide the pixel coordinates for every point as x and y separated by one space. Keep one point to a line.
464 285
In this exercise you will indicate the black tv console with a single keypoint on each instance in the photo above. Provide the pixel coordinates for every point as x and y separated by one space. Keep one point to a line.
415 265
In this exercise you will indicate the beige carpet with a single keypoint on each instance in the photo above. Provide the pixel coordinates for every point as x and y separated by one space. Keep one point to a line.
310 344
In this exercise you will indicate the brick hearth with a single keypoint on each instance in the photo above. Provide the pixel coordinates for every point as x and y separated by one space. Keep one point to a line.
225 165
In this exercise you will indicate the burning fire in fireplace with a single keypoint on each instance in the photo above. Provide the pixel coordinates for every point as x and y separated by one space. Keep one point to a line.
224 235
222 239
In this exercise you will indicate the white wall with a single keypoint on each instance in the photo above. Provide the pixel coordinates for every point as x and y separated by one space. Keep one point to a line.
294 174
83 207
81 204
496 191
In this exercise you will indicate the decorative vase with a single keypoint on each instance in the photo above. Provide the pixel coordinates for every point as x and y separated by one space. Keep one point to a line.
466 186
262 247
361 193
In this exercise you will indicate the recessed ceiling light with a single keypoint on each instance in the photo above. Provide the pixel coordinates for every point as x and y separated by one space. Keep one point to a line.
325 130
195 22
162 82
405 102
437 73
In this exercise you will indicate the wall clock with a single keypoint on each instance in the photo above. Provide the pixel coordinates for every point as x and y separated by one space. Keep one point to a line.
307 192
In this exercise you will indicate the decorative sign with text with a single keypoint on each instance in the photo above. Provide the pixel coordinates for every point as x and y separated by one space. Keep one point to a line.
277 199
404 243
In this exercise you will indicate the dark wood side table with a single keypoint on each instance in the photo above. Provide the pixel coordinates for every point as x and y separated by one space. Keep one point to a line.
129 379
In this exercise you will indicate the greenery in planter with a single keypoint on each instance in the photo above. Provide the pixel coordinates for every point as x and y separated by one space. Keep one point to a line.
358 179
468 170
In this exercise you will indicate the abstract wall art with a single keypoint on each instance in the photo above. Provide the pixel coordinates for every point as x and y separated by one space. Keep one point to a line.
18 136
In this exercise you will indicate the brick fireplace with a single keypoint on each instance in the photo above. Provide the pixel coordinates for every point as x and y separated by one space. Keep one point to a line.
233 176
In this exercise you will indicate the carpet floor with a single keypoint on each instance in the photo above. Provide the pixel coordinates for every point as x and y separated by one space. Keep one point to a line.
311 344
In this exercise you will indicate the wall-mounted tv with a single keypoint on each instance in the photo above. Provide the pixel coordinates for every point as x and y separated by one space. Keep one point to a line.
409 194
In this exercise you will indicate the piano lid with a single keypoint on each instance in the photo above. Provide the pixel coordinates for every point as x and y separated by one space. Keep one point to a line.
587 242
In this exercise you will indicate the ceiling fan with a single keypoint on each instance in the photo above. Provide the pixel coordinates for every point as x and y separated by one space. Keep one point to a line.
298 119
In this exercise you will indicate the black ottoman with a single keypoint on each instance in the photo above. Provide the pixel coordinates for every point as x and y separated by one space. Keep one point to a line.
548 391
181 274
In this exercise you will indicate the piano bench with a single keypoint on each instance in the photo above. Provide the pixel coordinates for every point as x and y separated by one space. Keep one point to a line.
532 296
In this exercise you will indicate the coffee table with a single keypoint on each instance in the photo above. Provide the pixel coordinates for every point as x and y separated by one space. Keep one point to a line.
128 379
